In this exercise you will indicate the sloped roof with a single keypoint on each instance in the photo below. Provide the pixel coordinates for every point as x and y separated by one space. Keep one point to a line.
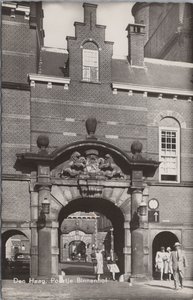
157 73
53 62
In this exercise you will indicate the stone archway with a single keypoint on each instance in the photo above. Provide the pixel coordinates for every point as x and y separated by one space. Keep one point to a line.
17 245
90 169
162 239
122 236
65 240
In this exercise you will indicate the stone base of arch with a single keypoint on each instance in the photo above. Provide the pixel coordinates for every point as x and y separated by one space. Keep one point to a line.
88 169
61 194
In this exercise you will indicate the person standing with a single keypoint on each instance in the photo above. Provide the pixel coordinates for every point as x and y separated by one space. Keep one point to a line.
99 265
168 263
159 261
112 266
93 258
179 262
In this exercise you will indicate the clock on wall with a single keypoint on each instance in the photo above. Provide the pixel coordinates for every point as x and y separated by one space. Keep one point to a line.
153 204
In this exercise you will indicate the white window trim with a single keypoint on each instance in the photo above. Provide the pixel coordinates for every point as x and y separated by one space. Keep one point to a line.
177 150
83 50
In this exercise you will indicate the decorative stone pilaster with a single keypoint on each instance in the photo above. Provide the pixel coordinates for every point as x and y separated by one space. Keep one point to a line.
44 236
139 239
127 248
34 233
138 233
54 248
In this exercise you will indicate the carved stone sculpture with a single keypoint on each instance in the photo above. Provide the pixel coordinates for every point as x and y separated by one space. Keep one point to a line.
90 165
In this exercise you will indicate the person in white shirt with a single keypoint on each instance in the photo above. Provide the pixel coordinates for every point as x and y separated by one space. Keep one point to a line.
159 261
168 263
179 262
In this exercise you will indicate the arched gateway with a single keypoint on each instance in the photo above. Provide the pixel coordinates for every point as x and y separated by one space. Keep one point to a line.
91 173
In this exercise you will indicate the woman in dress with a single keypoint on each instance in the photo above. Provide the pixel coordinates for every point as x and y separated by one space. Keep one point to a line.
112 266
168 263
160 261
99 265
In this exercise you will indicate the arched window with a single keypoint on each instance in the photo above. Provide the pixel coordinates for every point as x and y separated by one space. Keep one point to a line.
169 150
90 62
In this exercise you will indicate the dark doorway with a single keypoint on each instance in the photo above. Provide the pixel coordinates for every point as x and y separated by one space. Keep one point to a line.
162 239
15 255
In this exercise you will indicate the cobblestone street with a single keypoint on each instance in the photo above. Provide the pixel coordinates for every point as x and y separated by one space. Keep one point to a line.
107 290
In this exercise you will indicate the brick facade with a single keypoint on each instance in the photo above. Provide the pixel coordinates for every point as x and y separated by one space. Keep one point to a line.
123 117
169 29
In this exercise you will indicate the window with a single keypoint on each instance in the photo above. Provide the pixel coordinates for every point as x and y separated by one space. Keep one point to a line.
169 154
90 65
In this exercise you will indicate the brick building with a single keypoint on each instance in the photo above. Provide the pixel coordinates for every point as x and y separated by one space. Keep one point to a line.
136 169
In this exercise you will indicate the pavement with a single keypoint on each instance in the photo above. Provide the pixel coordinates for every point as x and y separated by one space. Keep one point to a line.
84 286
79 288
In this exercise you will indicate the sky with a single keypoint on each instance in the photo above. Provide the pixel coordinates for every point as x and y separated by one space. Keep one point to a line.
59 18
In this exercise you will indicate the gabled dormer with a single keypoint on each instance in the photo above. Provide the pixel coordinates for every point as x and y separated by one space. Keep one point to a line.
89 54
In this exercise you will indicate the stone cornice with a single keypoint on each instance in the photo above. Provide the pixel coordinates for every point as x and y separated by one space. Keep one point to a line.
16 6
150 89
16 177
49 80
147 165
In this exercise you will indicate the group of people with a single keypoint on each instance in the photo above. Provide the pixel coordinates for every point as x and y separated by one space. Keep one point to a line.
99 263
171 263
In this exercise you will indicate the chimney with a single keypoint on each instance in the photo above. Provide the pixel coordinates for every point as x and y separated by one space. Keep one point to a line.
90 14
136 38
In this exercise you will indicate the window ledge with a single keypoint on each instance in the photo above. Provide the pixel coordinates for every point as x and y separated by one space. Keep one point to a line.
94 82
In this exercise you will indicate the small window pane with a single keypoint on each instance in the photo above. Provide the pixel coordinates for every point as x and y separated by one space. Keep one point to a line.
169 156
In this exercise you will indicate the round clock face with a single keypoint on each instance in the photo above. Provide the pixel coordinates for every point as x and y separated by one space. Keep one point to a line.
153 203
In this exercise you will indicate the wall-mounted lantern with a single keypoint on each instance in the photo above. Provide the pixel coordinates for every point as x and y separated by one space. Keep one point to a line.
46 206
44 211
142 208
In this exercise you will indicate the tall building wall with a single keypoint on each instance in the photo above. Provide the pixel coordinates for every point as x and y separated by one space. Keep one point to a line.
168 29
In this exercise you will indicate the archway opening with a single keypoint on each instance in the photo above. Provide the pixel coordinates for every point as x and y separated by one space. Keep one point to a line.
163 239
15 255
105 232
77 250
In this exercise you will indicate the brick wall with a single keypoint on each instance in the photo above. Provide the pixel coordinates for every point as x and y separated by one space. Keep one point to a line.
175 203
176 210
167 38
15 126
19 46
142 17
15 201
180 110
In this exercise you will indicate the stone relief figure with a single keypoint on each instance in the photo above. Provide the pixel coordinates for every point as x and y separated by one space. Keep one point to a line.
75 167
109 168
92 165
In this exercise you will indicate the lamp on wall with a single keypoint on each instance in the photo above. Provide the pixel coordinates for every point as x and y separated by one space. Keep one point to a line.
46 206
142 208
44 211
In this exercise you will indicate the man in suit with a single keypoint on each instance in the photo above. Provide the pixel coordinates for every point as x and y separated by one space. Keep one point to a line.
179 262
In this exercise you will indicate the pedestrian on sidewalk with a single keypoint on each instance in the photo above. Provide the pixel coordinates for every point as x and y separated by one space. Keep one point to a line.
168 264
179 263
99 265
93 258
160 260
112 266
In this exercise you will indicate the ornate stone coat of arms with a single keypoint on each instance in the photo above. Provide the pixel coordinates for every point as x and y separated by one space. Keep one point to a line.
91 165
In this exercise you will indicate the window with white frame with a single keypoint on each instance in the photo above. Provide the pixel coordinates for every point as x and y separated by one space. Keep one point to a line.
90 70
169 153
169 150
